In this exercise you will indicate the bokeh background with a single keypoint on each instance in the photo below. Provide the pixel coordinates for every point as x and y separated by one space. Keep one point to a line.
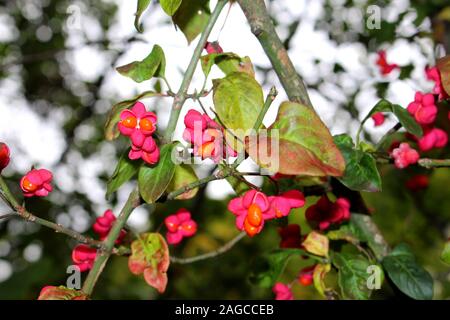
58 82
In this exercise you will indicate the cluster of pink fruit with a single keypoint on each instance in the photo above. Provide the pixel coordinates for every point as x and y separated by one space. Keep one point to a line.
424 110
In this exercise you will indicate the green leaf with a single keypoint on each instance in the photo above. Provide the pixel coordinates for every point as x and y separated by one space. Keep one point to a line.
411 278
153 181
267 268
125 170
170 6
306 146
152 66
192 17
403 116
238 99
184 175
407 120
352 275
362 227
361 172
142 5
228 62
345 232
445 256
405 71
111 131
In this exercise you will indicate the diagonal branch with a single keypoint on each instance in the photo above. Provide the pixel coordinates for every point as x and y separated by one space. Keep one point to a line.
134 200
264 29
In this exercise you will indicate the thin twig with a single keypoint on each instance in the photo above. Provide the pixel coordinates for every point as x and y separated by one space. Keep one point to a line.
7 216
226 247
270 97
433 163
181 95
20 211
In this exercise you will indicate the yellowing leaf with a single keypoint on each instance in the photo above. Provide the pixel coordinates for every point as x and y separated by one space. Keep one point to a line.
238 100
316 243
320 271
184 175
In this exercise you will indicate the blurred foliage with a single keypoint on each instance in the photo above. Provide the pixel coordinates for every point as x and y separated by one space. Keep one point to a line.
418 218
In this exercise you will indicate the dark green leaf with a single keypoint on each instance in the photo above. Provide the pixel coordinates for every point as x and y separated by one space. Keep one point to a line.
111 131
403 116
153 181
362 227
361 173
192 17
141 7
125 170
411 278
405 71
267 268
407 120
170 6
352 275
152 66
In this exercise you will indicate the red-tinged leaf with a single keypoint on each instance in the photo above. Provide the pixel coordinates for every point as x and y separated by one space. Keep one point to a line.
298 143
137 261
61 293
155 279
150 257
443 66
